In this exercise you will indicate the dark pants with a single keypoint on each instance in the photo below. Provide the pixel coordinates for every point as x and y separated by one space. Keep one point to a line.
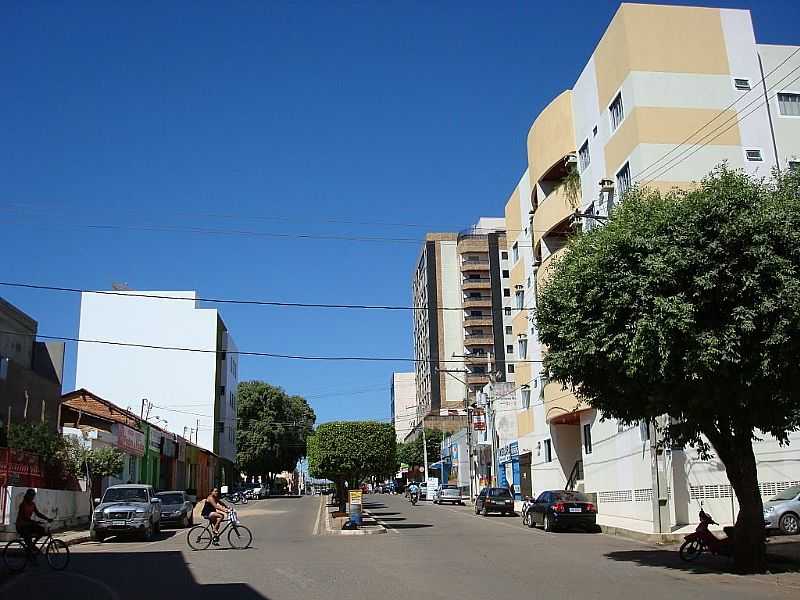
29 532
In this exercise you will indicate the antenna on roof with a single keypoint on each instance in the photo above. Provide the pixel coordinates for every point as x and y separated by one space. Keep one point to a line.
120 286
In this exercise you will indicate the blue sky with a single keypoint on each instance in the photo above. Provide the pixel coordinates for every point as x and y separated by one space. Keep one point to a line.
182 115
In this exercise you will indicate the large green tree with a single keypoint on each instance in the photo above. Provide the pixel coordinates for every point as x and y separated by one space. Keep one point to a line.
351 451
272 429
687 304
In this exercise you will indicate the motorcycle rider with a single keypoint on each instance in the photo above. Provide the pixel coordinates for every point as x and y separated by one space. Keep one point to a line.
413 491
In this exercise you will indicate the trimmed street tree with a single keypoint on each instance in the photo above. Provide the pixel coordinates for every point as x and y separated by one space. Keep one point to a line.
688 305
272 429
411 452
351 451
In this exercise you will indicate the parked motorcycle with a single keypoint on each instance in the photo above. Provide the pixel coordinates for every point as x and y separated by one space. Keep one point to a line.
703 540
527 512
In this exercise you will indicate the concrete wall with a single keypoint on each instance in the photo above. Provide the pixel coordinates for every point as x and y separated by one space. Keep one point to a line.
69 509
403 403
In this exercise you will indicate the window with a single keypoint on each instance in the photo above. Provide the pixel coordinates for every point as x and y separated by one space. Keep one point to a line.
510 368
587 438
523 348
504 255
583 156
754 155
509 330
526 398
507 293
519 300
505 273
742 84
474 294
515 252
548 451
507 311
623 179
617 112
789 104
475 313
509 349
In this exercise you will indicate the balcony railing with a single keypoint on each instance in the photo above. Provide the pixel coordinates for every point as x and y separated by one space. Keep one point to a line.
478 318
472 284
470 265
476 302
477 378
478 340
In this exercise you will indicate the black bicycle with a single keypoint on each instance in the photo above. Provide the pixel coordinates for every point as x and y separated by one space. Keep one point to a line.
17 554
239 536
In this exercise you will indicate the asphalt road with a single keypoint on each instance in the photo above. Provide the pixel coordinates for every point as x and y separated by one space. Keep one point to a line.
429 552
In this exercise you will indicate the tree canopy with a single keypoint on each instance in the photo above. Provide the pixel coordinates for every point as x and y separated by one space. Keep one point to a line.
352 450
687 304
272 428
411 453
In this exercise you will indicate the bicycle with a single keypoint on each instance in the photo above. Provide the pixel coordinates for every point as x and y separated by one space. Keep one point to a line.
16 554
239 536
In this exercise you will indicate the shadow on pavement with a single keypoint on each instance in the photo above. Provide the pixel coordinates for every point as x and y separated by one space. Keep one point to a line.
122 576
706 563
385 514
135 539
407 525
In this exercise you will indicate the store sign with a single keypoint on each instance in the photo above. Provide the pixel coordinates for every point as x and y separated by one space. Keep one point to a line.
509 453
355 497
130 441
155 440
479 422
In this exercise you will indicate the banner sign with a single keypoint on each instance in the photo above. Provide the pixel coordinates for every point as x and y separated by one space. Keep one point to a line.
155 440
355 497
509 453
129 440
479 422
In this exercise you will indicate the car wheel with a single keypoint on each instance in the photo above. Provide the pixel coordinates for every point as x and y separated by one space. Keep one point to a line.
96 537
789 524
485 512
477 512
548 523
157 527
185 522
148 533
461 503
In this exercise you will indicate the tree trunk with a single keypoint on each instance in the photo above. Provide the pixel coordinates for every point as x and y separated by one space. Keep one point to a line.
737 455
340 494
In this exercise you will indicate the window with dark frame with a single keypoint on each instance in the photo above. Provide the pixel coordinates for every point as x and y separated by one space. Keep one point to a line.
587 438
616 111
548 451
584 160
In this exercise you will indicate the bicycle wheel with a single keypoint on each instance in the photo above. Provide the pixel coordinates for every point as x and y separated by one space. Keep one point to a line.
239 537
15 556
199 537
57 554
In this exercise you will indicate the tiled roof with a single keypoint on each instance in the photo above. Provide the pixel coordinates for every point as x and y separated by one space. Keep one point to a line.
87 402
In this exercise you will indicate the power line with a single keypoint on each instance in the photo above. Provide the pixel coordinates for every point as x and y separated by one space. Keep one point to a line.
276 303
707 138
241 352
719 114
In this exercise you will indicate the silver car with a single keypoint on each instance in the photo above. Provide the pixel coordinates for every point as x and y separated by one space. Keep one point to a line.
447 493
176 508
126 509
782 511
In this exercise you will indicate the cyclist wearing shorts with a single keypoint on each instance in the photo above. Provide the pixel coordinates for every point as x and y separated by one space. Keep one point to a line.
215 511
28 529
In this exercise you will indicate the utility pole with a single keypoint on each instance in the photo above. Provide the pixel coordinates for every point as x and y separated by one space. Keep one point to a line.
468 408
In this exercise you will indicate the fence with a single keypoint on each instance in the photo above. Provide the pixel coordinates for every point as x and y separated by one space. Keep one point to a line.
17 468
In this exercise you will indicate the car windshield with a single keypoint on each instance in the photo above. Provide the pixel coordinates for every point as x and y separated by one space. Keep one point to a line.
449 487
171 498
787 494
569 496
500 493
125 494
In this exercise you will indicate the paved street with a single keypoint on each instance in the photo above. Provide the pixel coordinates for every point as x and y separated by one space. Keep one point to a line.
430 551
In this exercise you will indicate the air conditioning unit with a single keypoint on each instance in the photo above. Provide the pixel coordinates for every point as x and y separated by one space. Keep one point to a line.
606 186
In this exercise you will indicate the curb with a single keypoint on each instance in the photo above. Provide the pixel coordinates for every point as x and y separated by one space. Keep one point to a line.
667 539
77 540
331 531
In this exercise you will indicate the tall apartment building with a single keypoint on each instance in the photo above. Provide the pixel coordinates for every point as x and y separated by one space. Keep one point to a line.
403 403
195 392
660 75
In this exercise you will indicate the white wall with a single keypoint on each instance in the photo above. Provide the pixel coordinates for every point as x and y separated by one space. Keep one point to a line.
172 379
452 320
67 508
787 128
404 402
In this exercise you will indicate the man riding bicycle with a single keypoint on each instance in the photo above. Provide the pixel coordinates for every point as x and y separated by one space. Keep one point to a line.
29 530
215 511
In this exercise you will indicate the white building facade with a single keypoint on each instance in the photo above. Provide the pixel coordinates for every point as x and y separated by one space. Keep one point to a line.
193 391
403 403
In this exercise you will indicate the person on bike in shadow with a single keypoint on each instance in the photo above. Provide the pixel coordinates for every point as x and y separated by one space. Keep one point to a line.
215 511
28 529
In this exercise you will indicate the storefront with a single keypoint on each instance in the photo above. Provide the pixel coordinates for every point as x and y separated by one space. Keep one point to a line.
169 451
132 443
509 471
151 462
181 473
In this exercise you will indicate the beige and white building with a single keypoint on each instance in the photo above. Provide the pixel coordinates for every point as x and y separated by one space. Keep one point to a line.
403 403
669 93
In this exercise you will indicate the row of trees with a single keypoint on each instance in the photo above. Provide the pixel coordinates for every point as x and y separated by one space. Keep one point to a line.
687 304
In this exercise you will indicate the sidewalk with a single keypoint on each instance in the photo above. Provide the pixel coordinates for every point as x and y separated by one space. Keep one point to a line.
333 524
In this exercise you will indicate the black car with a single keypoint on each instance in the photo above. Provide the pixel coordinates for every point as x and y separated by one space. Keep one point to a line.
561 509
494 500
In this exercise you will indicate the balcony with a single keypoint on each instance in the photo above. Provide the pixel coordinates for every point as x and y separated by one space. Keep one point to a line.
477 378
482 302
484 283
478 340
561 406
477 359
553 211
475 265
475 320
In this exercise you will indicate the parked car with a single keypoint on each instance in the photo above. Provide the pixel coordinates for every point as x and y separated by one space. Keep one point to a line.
556 509
447 493
494 499
782 511
126 509
176 508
